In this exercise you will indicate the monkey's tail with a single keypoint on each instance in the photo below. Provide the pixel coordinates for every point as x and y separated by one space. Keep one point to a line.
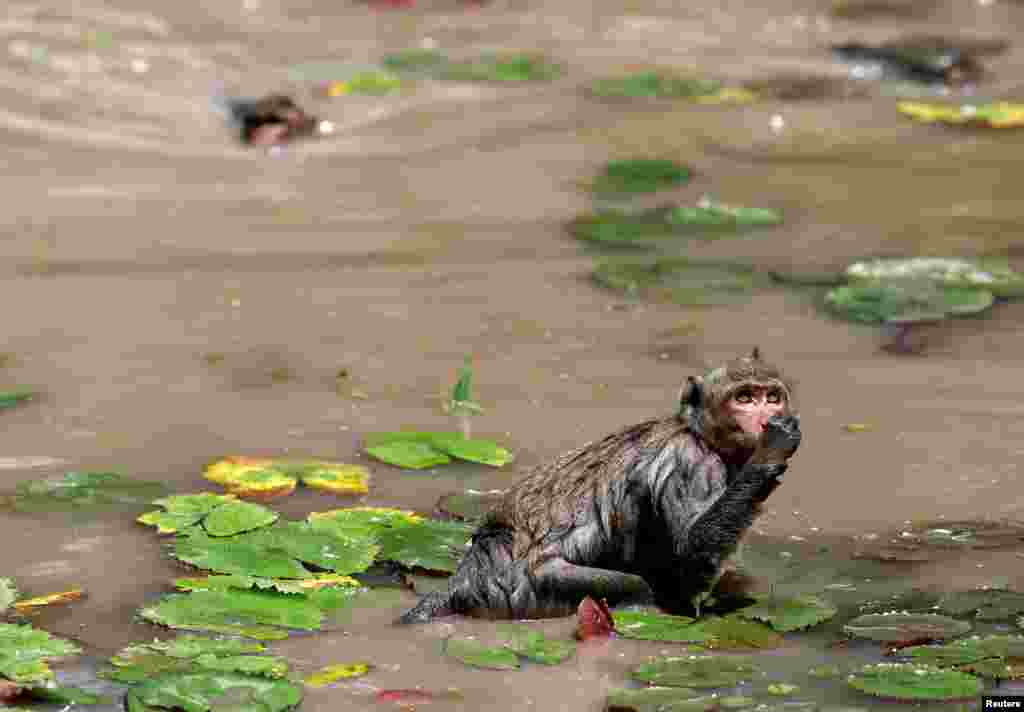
433 605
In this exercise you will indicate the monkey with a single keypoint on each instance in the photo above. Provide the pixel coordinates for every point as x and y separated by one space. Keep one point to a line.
272 120
650 513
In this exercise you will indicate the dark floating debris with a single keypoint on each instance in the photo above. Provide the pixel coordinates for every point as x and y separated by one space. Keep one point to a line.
273 120
806 88
924 59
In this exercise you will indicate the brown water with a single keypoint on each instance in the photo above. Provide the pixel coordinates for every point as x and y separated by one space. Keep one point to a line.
139 239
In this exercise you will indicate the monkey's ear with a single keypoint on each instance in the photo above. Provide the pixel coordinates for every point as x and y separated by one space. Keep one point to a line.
691 397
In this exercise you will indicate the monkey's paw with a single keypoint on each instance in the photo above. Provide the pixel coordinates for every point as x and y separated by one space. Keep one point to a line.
782 435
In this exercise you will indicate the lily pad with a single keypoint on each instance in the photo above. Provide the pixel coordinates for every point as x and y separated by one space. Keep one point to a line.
924 541
9 399
236 517
694 671
237 555
484 452
83 490
192 654
642 625
475 654
415 60
429 544
647 699
265 478
639 175
899 627
712 215
995 276
677 280
992 604
532 645
905 301
910 681
501 68
203 692
360 522
996 115
665 85
24 652
373 83
238 612
183 511
420 450
410 454
323 549
789 614
332 673
996 656
8 594
230 581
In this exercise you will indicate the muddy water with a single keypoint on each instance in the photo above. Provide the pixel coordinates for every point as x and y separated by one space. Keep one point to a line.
177 297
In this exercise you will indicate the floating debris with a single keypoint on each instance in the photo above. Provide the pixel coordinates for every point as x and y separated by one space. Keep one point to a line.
926 60
997 115
271 121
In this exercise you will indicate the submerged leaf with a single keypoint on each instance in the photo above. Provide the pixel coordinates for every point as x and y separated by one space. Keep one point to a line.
909 681
665 85
897 627
986 604
677 280
83 490
788 614
476 654
698 671
469 506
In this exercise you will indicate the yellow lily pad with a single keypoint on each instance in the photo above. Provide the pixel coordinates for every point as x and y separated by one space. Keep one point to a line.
340 479
266 478
28 604
333 673
997 115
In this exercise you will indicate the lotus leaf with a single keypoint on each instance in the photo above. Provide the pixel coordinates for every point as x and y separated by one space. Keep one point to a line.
501 68
699 671
909 681
788 614
24 652
237 555
429 544
992 275
898 627
333 673
905 301
639 175
82 490
231 611
677 280
475 654
532 645
996 115
991 604
203 692
9 399
8 593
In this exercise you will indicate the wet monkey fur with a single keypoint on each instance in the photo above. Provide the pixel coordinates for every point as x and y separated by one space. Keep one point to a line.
653 511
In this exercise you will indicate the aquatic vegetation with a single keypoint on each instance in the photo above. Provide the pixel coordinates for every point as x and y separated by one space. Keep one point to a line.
25 652
505 67
476 654
694 671
900 627
27 604
415 60
183 511
905 302
996 115
789 614
909 681
992 275
666 85
9 399
83 491
989 604
420 449
728 633
678 280
236 517
994 656
332 673
374 83
534 646
265 478
8 594
638 175
650 699
925 541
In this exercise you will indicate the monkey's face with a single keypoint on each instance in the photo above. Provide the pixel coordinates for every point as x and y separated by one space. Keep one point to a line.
752 405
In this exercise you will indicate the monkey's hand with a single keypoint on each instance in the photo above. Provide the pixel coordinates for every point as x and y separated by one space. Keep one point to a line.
779 441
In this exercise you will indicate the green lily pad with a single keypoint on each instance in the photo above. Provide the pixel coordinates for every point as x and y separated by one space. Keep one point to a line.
639 175
711 215
415 60
410 454
230 581
996 656
237 555
192 654
788 614
664 85
69 697
236 517
645 699
694 671
475 654
825 672
484 452
992 604
183 511
205 692
899 627
909 681
9 399
83 490
192 646
782 689
677 280
992 275
428 544
24 652
642 625
8 594
236 611
620 228
361 522
532 645
323 549
420 450
469 506
904 301
501 68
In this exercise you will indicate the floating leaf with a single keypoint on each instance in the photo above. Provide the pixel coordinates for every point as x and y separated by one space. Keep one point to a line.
226 582
997 115
201 692
484 452
419 450
898 627
414 60
8 593
647 699
665 85
712 215
236 517
825 672
361 522
410 454
677 280
986 604
24 652
997 656
639 175
237 555
9 399
908 681
905 301
788 614
428 544
332 673
374 83
83 490
658 626
324 549
192 646
28 604
782 689
532 645
236 611
339 479
992 275
476 654
183 511
700 671
265 478
502 68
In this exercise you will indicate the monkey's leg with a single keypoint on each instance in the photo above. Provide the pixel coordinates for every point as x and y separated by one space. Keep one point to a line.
559 586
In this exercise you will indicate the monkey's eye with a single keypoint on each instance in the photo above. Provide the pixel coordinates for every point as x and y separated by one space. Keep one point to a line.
774 397
744 396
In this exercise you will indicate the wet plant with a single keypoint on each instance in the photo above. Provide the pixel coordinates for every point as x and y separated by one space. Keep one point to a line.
625 178
668 85
266 478
678 280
